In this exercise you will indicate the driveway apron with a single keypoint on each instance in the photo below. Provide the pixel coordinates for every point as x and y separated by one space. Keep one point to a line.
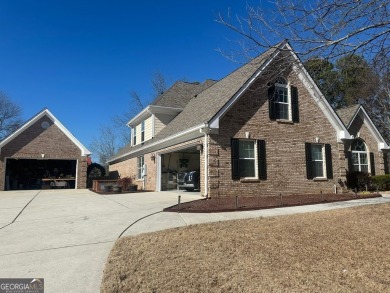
65 236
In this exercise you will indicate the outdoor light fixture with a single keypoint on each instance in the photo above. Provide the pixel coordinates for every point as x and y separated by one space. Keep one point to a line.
153 157
199 147
42 155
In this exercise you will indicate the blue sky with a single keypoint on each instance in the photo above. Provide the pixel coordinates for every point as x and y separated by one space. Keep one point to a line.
81 59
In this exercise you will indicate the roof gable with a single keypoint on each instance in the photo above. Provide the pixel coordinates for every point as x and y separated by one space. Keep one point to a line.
46 112
351 113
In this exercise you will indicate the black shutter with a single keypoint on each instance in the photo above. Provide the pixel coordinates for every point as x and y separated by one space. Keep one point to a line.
309 164
372 162
262 164
328 161
271 103
235 159
294 104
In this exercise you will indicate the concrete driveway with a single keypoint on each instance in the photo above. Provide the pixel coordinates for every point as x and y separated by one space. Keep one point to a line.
65 236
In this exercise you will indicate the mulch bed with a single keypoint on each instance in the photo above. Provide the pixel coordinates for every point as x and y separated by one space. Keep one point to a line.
228 203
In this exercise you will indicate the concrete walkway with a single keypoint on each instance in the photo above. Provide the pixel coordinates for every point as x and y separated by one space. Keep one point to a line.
65 236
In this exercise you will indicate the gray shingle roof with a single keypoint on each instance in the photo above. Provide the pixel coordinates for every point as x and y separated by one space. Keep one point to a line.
180 93
205 105
346 114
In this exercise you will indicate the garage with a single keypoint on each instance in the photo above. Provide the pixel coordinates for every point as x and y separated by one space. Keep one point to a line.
42 154
24 174
181 169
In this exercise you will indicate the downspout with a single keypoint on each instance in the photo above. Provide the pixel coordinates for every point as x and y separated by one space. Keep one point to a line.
206 164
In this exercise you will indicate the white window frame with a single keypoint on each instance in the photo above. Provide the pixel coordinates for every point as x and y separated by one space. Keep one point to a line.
134 136
142 131
285 86
324 171
255 159
359 153
140 167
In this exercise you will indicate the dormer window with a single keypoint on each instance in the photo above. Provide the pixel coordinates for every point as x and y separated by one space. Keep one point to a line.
143 131
283 101
134 135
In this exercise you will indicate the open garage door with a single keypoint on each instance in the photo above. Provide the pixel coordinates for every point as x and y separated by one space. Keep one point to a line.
181 169
40 174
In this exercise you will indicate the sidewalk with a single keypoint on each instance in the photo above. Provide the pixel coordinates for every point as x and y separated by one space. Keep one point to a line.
167 220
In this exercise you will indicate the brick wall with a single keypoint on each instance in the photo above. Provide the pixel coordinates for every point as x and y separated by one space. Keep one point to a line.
51 142
285 146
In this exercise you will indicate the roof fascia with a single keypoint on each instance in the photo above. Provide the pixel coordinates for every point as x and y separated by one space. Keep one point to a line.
191 133
46 112
382 145
319 98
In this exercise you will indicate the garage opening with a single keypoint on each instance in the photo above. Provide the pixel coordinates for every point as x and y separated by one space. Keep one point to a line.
181 170
22 174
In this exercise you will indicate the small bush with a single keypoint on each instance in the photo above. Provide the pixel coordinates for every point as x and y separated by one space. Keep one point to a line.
382 181
359 181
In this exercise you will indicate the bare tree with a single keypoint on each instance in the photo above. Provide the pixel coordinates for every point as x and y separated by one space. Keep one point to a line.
113 137
10 116
318 28
105 144
137 104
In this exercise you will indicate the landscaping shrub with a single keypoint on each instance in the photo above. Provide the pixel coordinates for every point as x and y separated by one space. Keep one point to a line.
359 180
382 181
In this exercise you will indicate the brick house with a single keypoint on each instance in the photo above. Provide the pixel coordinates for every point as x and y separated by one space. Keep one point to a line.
40 151
264 129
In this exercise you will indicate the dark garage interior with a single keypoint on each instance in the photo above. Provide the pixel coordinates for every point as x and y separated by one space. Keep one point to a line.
39 174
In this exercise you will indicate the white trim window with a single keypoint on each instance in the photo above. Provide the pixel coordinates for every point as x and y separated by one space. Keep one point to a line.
359 156
283 101
140 167
248 159
143 131
318 161
134 135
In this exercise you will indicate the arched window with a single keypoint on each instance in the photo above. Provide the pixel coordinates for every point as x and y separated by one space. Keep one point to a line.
359 156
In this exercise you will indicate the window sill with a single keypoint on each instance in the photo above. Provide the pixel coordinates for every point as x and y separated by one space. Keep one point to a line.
249 180
139 180
320 179
284 121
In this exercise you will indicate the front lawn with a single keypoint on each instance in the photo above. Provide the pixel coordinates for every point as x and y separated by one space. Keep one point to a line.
345 250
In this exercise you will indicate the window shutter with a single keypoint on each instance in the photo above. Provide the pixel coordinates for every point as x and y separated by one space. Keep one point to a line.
309 164
294 104
328 161
271 104
262 164
235 159
372 163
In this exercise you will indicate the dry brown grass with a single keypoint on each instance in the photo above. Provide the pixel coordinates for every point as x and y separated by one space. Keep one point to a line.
344 250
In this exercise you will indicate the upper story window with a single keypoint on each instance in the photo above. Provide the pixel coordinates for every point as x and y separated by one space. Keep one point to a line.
283 101
142 131
359 156
134 135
